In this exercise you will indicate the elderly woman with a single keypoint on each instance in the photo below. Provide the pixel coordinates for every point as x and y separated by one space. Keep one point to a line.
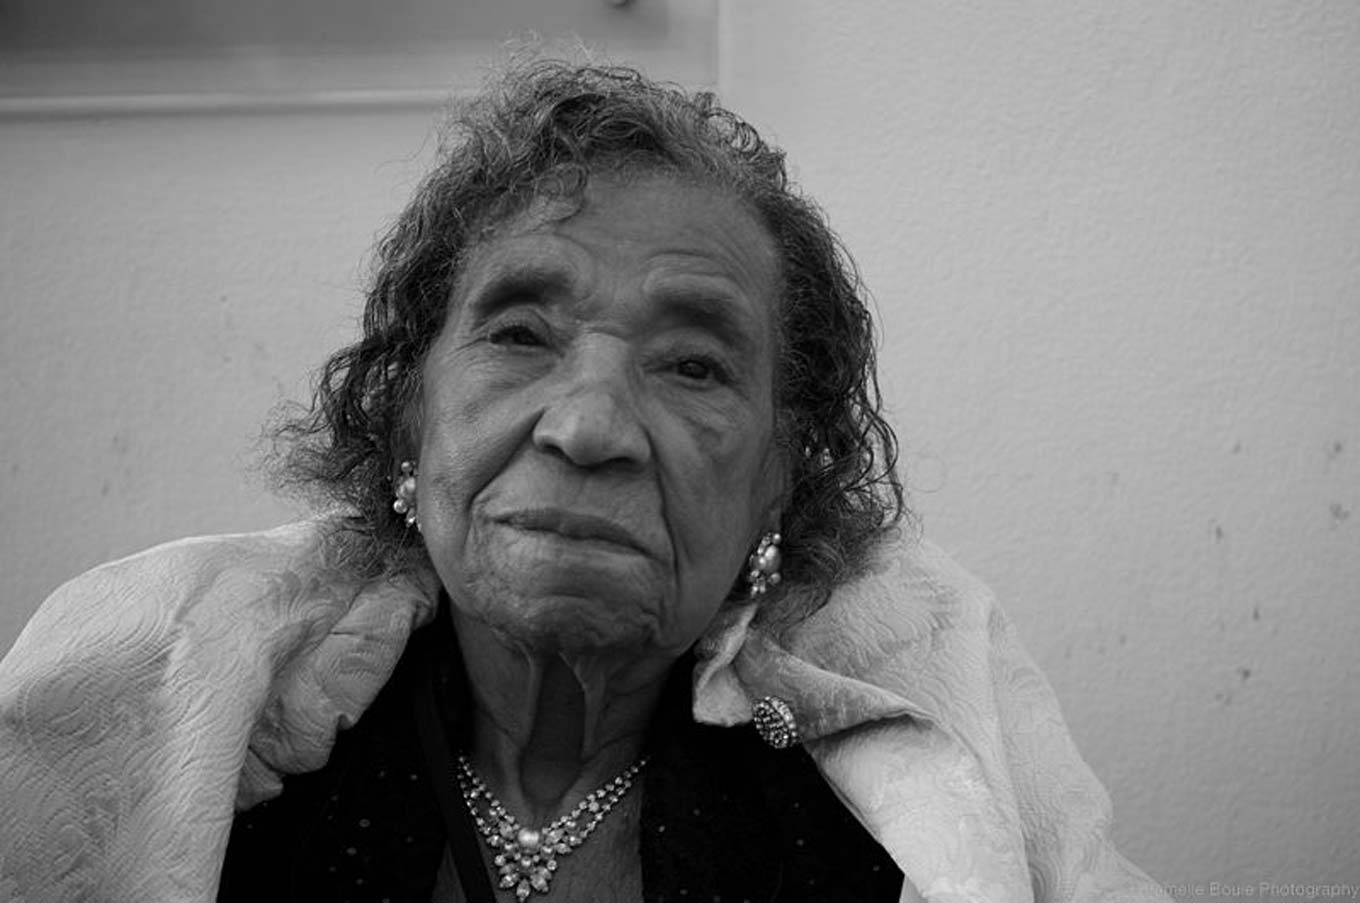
613 485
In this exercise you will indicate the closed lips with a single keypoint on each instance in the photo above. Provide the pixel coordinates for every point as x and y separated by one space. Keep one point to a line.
574 526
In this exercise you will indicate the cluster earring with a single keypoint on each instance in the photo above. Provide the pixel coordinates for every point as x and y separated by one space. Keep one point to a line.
405 503
762 565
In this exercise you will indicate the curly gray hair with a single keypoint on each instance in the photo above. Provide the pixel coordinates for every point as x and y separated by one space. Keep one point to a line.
548 125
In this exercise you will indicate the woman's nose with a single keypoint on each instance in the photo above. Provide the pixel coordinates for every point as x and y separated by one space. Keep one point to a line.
593 418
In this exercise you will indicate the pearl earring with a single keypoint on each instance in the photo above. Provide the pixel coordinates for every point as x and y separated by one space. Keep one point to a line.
763 565
406 495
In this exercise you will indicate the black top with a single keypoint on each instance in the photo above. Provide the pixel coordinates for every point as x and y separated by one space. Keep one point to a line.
725 819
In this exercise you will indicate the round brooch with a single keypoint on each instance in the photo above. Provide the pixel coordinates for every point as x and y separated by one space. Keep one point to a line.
774 722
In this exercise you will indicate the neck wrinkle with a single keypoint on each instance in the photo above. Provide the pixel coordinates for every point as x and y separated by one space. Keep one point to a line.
547 728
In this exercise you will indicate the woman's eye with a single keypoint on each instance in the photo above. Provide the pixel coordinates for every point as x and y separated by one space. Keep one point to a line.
517 334
697 369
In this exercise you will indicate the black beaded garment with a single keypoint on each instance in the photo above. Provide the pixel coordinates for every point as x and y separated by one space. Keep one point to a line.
725 819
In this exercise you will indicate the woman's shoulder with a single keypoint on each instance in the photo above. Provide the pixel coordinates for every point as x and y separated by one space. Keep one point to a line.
183 590
161 583
199 669
910 575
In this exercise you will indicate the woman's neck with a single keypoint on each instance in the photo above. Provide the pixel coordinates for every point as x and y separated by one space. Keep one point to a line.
551 726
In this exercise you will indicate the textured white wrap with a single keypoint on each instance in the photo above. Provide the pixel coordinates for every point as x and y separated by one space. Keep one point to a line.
936 730
150 698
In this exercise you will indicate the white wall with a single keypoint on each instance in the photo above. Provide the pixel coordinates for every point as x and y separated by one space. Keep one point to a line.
1116 252
165 281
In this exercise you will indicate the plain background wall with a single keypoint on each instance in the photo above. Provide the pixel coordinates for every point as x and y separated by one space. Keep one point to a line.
1115 250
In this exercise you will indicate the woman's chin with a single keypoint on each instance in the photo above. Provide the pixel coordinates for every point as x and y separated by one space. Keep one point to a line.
575 625
562 607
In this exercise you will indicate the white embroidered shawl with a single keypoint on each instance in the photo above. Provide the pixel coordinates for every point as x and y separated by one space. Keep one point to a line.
150 698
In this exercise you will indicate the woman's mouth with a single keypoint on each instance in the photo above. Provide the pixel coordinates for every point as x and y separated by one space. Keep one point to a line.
574 525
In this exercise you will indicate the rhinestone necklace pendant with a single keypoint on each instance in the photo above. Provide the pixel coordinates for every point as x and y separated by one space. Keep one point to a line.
526 858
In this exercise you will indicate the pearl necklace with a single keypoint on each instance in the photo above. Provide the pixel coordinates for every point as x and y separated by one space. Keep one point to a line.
525 858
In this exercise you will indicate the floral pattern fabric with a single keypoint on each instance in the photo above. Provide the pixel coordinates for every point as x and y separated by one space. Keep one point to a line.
151 698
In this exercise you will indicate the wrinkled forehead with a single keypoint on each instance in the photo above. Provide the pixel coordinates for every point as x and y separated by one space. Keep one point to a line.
672 212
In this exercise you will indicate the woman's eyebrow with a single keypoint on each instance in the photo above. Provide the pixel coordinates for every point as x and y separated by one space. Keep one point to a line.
501 286
718 311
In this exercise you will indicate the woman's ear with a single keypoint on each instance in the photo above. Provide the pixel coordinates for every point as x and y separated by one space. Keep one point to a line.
776 484
410 423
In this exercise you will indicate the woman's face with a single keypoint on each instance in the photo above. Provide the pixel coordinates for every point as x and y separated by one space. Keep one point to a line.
596 456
